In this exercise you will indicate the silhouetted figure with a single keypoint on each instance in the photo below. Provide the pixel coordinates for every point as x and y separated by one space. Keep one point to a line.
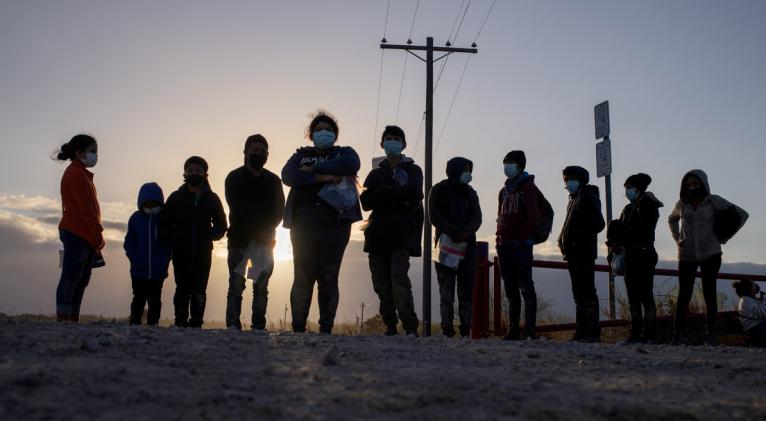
256 202
454 210
634 238
752 312
319 231
80 228
195 217
148 249
518 215
394 194
578 245
700 222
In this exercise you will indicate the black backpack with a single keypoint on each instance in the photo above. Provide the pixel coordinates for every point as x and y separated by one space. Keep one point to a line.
545 224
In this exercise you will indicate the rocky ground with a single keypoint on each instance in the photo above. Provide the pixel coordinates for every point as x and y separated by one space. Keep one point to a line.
108 370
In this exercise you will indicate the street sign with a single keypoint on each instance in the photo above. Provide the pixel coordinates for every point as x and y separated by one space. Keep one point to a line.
601 115
604 158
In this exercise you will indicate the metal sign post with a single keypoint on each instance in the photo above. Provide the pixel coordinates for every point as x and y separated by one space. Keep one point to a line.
604 169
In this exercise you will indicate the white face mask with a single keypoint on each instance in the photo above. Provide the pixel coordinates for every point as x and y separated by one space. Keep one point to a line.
91 158
152 211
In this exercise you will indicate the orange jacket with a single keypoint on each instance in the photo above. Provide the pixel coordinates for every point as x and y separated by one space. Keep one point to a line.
82 215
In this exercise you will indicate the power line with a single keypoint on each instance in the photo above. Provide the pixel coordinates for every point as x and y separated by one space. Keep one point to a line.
461 20
484 22
452 103
380 79
404 67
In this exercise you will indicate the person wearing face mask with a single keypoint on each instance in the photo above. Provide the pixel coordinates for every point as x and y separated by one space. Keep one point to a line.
194 218
518 215
256 201
636 240
319 233
453 207
394 194
80 229
693 226
578 245
148 251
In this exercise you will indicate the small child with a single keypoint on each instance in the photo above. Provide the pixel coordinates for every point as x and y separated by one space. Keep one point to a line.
194 217
149 255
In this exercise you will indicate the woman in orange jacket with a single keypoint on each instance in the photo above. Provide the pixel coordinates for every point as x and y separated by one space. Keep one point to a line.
80 229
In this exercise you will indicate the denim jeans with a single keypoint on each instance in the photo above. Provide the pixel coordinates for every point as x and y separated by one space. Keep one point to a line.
75 275
237 287
317 256
516 268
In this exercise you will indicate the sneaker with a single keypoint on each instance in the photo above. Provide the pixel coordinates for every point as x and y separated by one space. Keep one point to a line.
511 337
233 328
412 334
391 331
634 339
711 340
259 332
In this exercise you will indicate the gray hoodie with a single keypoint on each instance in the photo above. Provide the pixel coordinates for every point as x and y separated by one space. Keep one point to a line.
693 229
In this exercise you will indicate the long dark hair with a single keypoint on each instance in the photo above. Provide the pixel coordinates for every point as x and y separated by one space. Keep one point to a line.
78 143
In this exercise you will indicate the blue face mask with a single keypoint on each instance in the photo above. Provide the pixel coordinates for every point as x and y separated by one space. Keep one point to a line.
466 177
323 139
632 194
393 147
572 186
511 170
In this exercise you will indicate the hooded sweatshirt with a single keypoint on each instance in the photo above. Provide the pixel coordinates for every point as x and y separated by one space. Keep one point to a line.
454 206
583 221
692 229
255 203
145 244
518 212
395 198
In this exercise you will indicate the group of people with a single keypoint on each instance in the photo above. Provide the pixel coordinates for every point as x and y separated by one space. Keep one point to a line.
182 230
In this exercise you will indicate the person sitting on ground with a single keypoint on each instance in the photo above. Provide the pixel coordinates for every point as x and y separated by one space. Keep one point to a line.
752 311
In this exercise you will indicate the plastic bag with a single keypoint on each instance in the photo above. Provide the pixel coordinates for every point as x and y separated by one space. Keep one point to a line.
257 261
618 264
341 196
450 253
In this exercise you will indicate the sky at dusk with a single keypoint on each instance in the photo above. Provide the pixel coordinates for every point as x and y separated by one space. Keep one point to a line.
156 82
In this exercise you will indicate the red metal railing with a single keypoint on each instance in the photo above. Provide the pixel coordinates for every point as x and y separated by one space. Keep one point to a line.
480 319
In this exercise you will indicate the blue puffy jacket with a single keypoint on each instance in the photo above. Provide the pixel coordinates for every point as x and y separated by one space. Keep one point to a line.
147 250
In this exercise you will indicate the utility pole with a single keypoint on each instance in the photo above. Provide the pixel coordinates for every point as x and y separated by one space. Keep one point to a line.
429 60
285 328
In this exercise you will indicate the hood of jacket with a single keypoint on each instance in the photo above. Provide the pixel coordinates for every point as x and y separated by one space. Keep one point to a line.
455 168
649 196
150 191
699 174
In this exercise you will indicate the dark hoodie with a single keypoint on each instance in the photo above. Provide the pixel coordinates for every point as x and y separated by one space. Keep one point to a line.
454 206
583 221
396 221
145 245
194 223
518 212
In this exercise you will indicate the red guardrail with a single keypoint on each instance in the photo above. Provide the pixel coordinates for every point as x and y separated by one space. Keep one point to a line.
480 319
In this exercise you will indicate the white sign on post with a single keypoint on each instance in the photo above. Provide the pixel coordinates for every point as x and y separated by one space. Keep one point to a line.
604 158
601 115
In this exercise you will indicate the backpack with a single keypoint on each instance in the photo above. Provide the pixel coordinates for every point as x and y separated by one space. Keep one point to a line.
545 224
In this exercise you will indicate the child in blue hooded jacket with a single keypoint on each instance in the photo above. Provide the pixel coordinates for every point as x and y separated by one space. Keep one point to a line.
149 255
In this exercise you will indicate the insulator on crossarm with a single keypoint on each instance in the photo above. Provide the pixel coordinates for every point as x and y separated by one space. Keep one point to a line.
448 44
383 41
409 41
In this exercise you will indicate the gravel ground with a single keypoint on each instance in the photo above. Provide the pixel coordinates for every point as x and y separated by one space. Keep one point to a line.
113 371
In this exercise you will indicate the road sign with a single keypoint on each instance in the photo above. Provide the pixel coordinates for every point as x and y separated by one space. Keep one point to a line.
601 115
604 158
